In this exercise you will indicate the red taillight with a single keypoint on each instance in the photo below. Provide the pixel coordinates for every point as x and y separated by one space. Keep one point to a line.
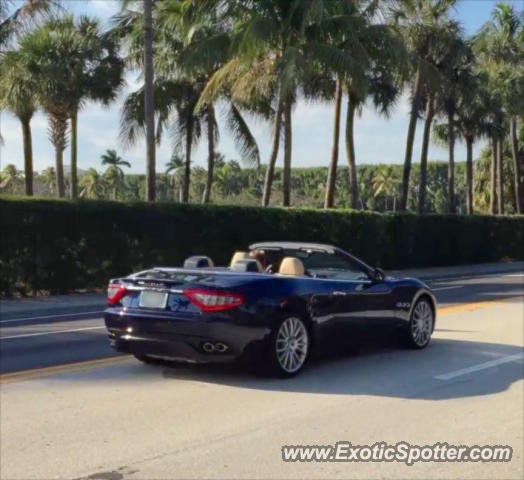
213 300
115 293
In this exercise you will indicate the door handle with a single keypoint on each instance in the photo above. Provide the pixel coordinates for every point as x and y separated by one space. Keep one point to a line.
339 293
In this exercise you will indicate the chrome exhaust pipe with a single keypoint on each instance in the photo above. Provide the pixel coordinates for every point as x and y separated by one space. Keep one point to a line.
208 347
220 347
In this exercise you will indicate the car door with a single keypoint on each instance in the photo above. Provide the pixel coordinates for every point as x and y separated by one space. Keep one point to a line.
350 299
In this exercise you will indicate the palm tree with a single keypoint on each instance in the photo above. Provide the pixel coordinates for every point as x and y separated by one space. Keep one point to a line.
96 75
48 177
92 185
471 123
112 158
457 70
175 109
275 47
45 54
149 102
187 54
376 55
26 14
114 174
385 183
17 94
500 46
173 167
422 23
10 179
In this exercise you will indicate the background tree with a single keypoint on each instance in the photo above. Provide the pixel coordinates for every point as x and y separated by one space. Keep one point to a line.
10 179
500 47
422 23
17 95
92 185
114 174
17 17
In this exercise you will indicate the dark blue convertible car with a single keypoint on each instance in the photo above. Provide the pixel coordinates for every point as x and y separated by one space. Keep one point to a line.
273 304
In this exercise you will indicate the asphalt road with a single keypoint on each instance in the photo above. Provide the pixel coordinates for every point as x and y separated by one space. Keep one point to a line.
51 339
117 419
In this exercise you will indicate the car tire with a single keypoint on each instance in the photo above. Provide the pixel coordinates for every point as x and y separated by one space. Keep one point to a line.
418 332
289 347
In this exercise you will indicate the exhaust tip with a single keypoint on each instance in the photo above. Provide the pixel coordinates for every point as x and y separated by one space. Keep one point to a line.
221 347
208 347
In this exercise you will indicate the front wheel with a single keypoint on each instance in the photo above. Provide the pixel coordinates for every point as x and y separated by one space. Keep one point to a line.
289 347
420 328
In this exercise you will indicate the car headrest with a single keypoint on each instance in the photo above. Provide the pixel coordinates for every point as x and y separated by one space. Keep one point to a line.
198 261
247 265
238 256
291 266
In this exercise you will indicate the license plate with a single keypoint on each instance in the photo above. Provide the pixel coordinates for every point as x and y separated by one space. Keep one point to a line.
152 299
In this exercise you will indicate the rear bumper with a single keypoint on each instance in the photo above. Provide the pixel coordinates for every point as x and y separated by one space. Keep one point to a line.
181 339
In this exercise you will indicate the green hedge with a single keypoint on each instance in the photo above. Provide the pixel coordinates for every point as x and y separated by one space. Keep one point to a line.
60 246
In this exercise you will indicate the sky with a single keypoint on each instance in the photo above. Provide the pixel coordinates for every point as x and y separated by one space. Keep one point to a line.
377 139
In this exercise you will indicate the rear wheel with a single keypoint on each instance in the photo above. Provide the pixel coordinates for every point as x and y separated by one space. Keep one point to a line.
289 347
420 328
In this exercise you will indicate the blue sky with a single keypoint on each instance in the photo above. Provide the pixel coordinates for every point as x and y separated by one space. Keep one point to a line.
378 140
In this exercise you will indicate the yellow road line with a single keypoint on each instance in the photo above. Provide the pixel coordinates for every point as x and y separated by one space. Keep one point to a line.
467 307
65 368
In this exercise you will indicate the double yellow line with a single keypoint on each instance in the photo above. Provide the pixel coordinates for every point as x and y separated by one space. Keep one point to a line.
104 362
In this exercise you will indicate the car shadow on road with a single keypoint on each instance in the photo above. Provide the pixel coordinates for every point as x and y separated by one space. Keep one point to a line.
381 371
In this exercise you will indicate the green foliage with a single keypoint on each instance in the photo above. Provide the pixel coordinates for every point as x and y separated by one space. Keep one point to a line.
59 245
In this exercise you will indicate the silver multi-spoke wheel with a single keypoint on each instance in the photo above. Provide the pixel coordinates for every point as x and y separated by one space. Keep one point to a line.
291 345
421 323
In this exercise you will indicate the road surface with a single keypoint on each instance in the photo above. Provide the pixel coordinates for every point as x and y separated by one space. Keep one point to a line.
71 409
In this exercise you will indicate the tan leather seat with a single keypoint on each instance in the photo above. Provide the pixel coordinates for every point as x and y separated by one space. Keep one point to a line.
291 266
238 256
247 265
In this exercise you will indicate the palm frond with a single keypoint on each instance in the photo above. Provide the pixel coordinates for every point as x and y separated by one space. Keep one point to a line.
244 139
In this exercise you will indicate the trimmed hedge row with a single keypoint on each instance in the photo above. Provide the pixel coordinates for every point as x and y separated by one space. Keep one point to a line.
59 245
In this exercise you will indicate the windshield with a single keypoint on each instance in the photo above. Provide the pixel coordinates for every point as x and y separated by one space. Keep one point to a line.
318 264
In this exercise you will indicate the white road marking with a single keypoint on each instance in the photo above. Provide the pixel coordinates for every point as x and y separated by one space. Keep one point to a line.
27 319
515 275
37 334
447 288
480 366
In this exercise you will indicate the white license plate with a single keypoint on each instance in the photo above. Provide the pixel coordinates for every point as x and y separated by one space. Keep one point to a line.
152 299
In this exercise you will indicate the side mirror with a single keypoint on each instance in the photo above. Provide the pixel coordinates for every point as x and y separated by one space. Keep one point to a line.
378 275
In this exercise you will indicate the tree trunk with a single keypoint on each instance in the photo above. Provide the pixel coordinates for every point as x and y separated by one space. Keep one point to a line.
500 175
350 150
59 168
493 180
288 138
452 206
28 155
187 165
149 101
114 193
519 190
74 150
332 172
469 175
409 142
211 152
430 113
268 180
58 134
